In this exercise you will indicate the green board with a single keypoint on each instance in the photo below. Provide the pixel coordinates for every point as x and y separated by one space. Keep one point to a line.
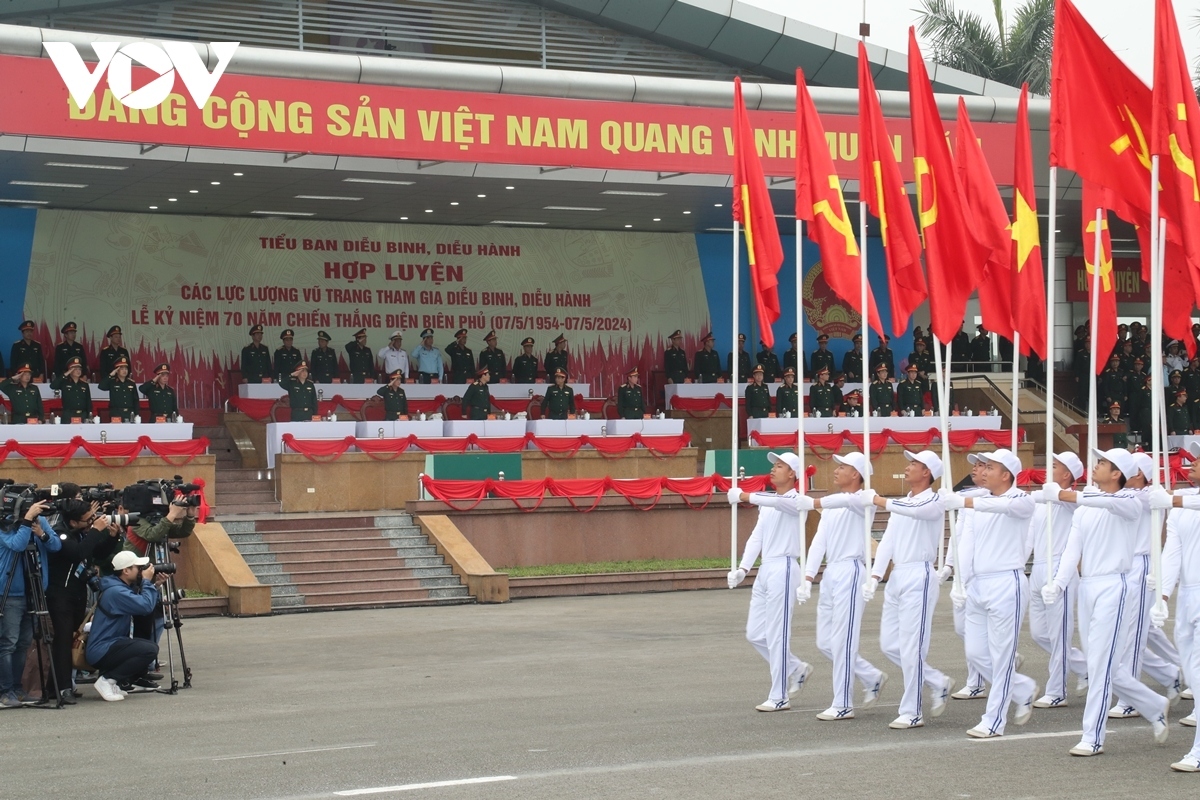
754 462
473 466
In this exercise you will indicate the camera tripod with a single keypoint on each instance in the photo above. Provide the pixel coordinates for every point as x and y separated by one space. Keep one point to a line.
31 561
160 553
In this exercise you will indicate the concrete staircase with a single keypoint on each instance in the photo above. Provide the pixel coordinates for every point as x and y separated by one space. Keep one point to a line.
325 563
239 491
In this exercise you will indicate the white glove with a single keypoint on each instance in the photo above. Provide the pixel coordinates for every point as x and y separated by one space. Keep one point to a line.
1151 583
734 495
803 592
951 500
1050 594
945 573
1047 494
1159 615
1160 498
958 598
868 589
735 577
804 503
868 496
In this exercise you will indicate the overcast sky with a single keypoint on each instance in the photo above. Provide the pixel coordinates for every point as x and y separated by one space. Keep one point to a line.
1127 25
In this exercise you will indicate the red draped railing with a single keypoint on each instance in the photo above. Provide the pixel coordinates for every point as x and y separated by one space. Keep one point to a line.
823 444
109 454
611 446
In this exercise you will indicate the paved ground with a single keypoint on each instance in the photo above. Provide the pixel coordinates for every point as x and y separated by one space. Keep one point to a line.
605 697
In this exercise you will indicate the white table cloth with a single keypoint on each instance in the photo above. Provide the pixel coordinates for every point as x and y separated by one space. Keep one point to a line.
398 429
855 424
304 430
160 432
646 427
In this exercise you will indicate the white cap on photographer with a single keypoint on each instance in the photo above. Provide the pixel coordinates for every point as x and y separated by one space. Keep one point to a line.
126 559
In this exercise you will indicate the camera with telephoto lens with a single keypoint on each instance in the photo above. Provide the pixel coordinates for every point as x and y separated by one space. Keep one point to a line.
123 520
102 493
16 498
164 569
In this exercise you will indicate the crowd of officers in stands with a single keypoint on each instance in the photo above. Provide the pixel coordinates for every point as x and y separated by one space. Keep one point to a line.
69 374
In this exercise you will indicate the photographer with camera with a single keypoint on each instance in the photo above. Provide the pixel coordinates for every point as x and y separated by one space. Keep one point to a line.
131 591
30 531
87 538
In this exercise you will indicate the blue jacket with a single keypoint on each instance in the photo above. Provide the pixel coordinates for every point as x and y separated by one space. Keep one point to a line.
14 542
116 606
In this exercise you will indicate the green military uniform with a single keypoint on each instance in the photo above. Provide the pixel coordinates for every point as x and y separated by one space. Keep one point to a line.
1113 388
821 359
787 398
838 397
922 360
743 366
910 396
675 365
65 352
525 366
1179 420
497 363
256 362
553 361
287 358
477 401
883 355
823 398
76 397
708 366
360 359
462 361
161 399
883 399
558 402
630 403
981 352
30 353
1174 387
111 354
323 362
770 363
1120 438
123 400
792 362
852 366
302 396
26 401
395 402
758 401
1191 384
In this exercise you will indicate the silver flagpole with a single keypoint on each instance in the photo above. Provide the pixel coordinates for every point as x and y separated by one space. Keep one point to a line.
862 304
947 478
1093 417
802 478
1016 389
733 379
1158 250
1051 243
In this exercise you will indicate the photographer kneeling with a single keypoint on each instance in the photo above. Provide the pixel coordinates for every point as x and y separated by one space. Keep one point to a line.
87 539
132 590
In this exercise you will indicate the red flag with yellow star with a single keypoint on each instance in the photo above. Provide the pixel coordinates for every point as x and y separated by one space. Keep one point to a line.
752 207
882 189
954 256
1028 276
990 224
819 203
1096 198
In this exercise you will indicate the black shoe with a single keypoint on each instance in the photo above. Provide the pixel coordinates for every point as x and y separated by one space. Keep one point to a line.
154 676
145 683
68 697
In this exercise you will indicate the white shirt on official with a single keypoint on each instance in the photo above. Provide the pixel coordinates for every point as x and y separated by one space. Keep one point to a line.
999 524
1102 535
840 534
1181 553
1061 515
777 532
912 532
394 360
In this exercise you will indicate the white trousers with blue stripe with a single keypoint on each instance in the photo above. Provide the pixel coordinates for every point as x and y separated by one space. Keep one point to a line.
769 624
1052 628
1102 601
839 623
1187 638
996 604
908 605
1135 657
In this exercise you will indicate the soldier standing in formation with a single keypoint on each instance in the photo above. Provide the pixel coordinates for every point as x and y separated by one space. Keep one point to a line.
394 356
921 357
74 390
28 352
23 396
559 400
428 359
852 362
160 396
493 358
113 352
1191 382
981 350
707 361
792 361
462 360
395 401
883 399
758 396
477 400
1179 417
256 358
556 359
883 354
124 403
740 372
823 397
960 351
910 394
525 366
1139 405
287 357
769 362
302 393
821 357
630 403
359 358
675 365
67 350
1112 386
323 362
787 396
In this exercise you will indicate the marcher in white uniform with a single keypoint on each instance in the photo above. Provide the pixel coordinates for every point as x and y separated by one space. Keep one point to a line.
1135 657
1053 627
1181 565
840 540
1103 535
975 688
992 572
910 544
776 537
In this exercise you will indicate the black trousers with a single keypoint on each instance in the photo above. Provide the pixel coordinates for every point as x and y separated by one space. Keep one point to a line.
127 659
67 611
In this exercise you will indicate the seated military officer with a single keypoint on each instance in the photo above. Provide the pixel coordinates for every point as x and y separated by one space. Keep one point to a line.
74 390
160 396
24 397
477 400
559 400
758 396
395 401
302 393
630 403
787 396
124 402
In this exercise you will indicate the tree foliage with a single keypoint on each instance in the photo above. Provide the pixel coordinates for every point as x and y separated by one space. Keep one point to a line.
1016 53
